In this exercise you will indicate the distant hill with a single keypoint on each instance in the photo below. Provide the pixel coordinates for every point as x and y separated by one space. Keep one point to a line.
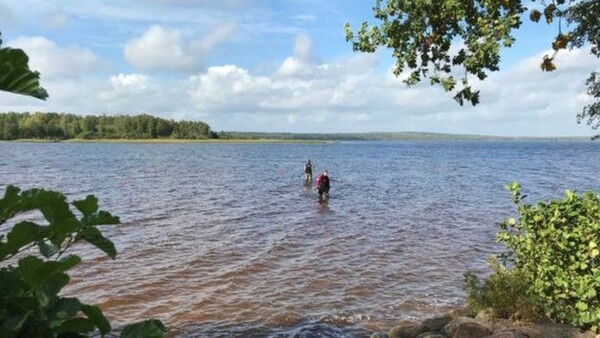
57 127
385 136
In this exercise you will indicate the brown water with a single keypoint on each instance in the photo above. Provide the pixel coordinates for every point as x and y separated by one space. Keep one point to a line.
223 240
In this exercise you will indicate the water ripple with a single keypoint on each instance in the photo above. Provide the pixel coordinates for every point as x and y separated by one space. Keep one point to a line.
222 240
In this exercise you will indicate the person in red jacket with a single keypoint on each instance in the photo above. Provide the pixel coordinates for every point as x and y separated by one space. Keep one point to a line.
323 186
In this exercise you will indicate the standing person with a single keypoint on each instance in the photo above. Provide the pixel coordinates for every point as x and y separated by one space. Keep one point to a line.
323 186
308 173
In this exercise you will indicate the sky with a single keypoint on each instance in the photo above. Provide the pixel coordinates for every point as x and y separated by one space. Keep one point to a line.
272 66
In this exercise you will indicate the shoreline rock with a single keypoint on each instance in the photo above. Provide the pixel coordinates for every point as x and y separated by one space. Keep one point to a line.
456 324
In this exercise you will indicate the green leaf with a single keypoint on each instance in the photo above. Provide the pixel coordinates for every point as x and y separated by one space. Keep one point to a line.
15 75
11 197
581 306
48 249
12 325
77 325
21 234
95 314
87 206
64 309
68 262
94 237
48 291
57 212
34 271
51 203
27 269
50 267
64 227
152 328
100 218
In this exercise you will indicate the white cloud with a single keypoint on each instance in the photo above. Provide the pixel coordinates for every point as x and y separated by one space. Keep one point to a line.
53 61
350 95
129 81
228 88
303 48
347 94
302 63
161 48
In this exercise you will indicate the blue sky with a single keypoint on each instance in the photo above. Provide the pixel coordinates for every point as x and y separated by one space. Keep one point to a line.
258 65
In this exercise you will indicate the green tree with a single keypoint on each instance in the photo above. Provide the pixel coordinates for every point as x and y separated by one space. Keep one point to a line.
30 304
554 245
551 266
15 75
420 34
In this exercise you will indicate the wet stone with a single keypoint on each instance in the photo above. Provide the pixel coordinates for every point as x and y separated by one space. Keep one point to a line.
437 323
408 331
379 335
464 327
432 335
508 334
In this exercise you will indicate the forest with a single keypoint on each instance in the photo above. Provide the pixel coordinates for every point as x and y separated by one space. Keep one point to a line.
55 126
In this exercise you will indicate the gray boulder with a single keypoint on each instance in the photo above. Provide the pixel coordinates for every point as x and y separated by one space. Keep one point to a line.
379 335
437 323
408 331
464 327
432 335
508 334
552 331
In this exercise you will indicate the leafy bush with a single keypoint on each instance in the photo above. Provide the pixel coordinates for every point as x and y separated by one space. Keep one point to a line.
555 246
29 302
503 293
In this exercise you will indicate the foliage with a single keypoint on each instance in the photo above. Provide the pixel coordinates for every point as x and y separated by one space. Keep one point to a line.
29 302
15 75
592 111
555 246
420 34
67 126
504 293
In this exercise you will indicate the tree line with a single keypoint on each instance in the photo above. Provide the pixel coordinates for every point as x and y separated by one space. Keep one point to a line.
70 126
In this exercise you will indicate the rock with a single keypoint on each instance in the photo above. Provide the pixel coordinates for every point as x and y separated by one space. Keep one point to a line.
552 331
464 327
432 335
500 325
407 331
484 315
508 334
379 335
437 323
458 312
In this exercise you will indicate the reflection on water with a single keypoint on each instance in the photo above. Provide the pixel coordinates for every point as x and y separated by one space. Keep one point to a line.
224 240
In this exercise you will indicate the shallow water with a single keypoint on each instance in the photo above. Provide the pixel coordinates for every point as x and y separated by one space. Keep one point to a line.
223 240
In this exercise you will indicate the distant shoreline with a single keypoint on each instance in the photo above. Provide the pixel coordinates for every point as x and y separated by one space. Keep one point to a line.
320 138
165 141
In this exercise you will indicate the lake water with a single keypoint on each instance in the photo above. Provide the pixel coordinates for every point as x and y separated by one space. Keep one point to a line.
223 240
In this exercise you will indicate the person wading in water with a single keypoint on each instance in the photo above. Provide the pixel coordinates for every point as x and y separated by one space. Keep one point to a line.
323 186
308 173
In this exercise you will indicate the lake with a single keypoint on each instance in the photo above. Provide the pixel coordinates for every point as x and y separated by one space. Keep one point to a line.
224 240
